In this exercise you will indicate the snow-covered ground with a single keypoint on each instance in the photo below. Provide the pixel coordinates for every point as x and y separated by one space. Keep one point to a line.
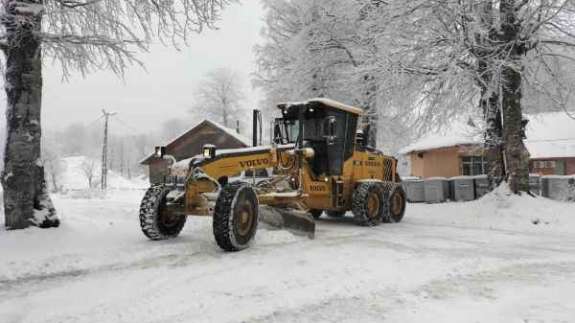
498 259
74 176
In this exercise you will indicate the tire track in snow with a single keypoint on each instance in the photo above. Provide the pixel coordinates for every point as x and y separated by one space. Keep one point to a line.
375 306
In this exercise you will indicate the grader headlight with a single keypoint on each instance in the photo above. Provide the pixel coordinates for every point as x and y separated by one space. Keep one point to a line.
160 151
308 153
209 151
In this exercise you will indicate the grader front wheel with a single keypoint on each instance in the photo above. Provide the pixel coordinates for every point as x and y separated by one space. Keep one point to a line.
155 220
235 218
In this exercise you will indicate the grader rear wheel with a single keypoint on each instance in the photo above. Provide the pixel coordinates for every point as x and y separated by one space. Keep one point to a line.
367 204
235 219
155 220
395 206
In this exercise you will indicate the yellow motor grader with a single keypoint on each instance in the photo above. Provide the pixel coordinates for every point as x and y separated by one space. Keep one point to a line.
318 162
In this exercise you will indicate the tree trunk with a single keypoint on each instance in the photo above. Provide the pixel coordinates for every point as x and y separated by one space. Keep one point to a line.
489 101
493 138
515 154
26 199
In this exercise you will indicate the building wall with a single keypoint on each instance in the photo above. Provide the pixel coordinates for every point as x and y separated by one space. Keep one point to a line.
443 162
158 169
562 166
570 166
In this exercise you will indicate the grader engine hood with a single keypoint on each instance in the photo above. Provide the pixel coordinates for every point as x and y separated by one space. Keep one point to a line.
207 178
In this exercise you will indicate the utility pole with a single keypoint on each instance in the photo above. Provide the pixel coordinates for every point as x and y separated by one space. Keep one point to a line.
104 180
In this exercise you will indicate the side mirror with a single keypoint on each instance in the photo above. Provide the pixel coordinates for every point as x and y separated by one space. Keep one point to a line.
329 129
209 151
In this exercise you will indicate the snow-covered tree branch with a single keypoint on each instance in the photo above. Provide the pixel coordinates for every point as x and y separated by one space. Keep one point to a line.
81 35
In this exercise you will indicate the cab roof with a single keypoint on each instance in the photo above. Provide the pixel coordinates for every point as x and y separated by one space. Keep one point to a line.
326 102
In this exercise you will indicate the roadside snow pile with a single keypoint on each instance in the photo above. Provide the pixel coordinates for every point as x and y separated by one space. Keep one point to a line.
78 168
501 209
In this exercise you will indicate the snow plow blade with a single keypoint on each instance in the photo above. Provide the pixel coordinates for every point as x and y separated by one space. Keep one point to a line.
295 221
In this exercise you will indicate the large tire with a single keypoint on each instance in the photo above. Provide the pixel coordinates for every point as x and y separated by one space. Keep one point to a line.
316 213
395 205
155 221
335 214
235 219
367 204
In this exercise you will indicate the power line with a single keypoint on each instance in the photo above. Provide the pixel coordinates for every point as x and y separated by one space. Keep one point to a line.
94 122
125 124
550 140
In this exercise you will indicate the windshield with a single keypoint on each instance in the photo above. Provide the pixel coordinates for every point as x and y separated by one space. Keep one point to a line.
286 131
293 130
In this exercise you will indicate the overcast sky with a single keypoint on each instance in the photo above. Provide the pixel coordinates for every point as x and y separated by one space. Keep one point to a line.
144 99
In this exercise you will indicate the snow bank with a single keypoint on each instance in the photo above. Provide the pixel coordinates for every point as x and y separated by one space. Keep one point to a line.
74 177
501 209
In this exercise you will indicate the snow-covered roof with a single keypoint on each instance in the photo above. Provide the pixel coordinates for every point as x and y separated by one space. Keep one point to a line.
328 102
549 135
457 133
231 132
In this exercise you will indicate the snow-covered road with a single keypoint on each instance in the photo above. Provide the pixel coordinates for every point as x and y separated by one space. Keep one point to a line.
484 261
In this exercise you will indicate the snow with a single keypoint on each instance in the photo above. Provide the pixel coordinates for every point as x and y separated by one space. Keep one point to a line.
480 261
29 8
459 132
232 133
73 178
327 102
549 135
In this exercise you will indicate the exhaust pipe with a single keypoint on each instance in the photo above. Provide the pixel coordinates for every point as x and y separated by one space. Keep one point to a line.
257 128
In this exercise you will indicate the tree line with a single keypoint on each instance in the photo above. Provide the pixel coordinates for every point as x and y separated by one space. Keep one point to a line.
415 65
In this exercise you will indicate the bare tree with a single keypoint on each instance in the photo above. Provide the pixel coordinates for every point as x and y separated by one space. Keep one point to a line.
54 167
81 35
417 64
89 169
481 53
219 96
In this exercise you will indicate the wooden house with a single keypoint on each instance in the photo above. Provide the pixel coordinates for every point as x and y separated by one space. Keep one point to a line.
190 144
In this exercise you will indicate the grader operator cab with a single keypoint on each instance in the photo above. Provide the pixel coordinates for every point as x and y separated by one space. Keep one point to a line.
318 162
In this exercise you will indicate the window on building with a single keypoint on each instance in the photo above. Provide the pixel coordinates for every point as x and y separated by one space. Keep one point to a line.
473 165
542 164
